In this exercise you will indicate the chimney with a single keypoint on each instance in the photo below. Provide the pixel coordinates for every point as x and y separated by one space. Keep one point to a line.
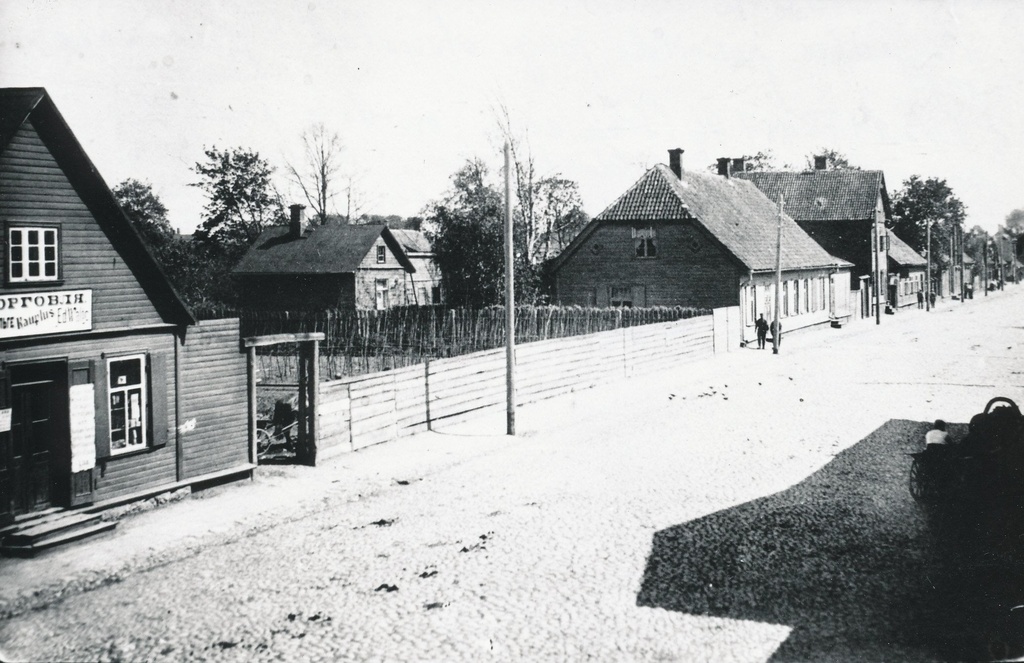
297 221
675 161
821 163
723 167
739 165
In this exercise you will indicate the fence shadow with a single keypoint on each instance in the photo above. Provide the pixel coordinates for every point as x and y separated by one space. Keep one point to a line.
853 564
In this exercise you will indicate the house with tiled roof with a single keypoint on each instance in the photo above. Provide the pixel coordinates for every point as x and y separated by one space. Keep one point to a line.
844 211
907 271
683 238
308 268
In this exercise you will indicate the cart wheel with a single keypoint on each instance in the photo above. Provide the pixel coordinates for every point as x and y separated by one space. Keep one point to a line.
264 440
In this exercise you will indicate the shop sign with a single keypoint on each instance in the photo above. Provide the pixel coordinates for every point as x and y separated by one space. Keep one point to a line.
5 419
38 313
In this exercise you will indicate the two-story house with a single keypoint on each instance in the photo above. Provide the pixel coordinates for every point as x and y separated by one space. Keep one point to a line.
845 211
683 238
94 371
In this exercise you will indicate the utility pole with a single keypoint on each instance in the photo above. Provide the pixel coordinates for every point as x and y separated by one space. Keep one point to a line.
928 278
778 281
878 272
984 266
510 303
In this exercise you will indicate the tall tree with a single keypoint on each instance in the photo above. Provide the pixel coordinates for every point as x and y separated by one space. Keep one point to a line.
834 160
466 232
146 212
922 202
241 199
322 155
1013 228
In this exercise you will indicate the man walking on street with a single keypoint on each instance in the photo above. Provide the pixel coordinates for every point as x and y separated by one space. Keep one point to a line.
920 299
761 325
776 332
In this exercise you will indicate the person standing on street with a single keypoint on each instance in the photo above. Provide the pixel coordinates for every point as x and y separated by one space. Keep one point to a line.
920 299
761 325
931 298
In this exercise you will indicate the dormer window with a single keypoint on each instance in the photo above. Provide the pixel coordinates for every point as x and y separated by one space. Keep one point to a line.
32 254
381 254
644 242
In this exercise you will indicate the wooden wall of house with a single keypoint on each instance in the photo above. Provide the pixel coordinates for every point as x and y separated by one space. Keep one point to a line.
34 190
815 307
214 399
117 475
426 277
690 269
849 240
296 292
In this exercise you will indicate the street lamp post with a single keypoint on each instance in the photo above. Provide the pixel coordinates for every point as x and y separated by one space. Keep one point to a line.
928 277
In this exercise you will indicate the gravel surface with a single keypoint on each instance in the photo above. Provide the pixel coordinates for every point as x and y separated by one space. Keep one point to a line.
745 508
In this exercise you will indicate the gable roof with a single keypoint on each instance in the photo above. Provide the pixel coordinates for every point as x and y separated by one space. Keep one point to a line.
335 248
413 241
734 212
21 105
824 195
901 253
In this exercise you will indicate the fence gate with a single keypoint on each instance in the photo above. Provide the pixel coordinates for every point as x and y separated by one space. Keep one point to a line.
309 378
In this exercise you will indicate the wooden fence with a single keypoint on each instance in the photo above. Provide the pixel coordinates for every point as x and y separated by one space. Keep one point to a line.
354 413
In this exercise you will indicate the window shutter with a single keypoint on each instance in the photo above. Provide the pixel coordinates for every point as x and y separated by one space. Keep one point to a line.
639 295
157 367
100 384
82 482
6 505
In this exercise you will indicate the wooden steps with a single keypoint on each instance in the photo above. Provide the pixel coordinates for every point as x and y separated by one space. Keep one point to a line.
44 530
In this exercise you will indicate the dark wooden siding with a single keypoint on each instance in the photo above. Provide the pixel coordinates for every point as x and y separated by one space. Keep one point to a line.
690 268
214 395
296 292
33 189
118 476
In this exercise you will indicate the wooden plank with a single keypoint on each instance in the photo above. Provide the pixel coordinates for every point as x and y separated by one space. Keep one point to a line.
274 339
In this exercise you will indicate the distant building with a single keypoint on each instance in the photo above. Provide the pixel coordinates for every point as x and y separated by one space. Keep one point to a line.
366 267
907 273
680 238
843 210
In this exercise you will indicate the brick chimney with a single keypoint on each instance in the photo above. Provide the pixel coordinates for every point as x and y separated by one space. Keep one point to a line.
297 220
724 167
739 165
675 161
821 163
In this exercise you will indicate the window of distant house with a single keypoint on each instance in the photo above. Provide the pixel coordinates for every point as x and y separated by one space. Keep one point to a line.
382 295
621 296
644 241
381 255
785 298
32 254
807 295
824 299
126 396
435 294
796 297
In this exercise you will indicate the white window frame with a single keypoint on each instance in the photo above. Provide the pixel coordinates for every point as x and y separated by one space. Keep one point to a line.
382 254
645 245
20 254
381 294
623 302
127 403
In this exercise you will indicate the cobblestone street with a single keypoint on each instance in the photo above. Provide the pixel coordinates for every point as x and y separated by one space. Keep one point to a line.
744 508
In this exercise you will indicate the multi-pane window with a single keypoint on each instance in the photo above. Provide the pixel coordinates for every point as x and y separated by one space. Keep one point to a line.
807 295
785 299
621 296
126 394
382 254
644 241
31 254
796 297
824 298
382 295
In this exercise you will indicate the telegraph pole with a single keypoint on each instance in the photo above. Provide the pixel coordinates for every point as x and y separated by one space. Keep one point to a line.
510 303
928 278
778 281
878 273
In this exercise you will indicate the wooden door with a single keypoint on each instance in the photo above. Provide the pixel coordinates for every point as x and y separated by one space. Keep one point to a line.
39 434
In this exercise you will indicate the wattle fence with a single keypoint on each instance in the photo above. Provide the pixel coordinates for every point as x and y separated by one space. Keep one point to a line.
357 412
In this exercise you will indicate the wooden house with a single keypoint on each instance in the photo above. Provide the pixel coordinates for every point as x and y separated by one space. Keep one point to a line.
843 210
337 265
99 375
907 272
680 238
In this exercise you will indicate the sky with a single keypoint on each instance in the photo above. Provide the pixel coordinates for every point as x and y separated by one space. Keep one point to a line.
600 89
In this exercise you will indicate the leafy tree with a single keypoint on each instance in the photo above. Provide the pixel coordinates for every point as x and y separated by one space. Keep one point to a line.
834 160
146 212
241 200
922 202
466 232
560 213
1013 228
322 154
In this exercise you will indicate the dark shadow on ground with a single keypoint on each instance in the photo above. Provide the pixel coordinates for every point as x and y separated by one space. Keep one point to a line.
854 565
